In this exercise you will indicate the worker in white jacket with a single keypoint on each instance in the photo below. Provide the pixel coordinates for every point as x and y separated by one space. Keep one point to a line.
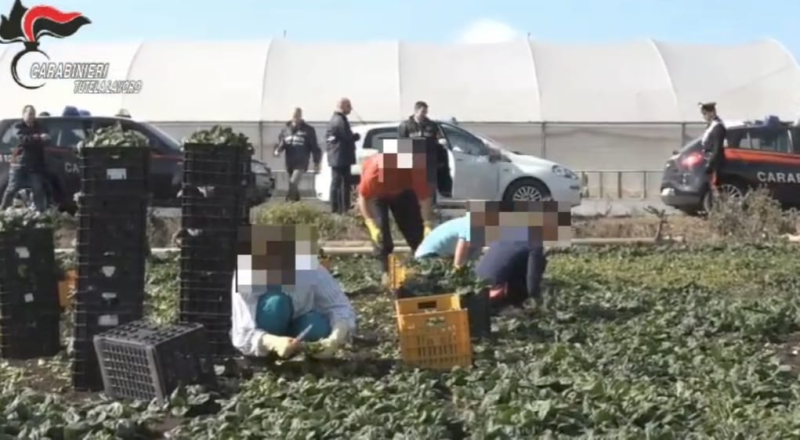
269 314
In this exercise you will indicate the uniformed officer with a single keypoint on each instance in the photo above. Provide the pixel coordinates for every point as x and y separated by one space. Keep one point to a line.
298 142
419 125
713 141
341 148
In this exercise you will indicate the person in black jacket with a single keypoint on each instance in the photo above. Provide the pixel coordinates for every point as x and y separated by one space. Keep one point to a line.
419 125
298 141
713 141
28 168
341 148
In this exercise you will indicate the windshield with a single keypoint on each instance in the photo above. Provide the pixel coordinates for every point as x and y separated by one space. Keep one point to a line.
168 140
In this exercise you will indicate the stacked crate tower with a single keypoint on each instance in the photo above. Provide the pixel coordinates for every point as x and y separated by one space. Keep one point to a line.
213 205
29 307
111 250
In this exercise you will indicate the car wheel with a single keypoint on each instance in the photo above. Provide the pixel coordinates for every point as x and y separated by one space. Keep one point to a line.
527 190
729 190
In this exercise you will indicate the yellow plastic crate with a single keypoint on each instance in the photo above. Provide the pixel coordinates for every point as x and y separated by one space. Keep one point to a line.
434 332
398 273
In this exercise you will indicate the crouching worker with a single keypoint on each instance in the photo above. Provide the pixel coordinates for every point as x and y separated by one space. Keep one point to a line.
396 181
282 298
452 239
515 261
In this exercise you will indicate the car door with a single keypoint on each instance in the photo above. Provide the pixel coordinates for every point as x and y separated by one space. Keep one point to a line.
765 158
475 177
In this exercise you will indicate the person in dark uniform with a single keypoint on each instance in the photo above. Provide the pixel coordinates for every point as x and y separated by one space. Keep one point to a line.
341 148
298 141
28 169
713 142
419 125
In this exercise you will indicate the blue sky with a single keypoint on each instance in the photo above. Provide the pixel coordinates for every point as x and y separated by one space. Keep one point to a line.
578 21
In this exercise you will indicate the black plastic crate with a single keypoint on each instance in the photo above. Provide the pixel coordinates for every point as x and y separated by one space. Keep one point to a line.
222 261
37 243
143 361
104 302
478 311
114 170
110 269
216 165
206 305
85 369
28 334
117 205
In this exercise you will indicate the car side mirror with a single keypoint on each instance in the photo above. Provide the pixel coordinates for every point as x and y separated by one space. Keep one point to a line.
443 142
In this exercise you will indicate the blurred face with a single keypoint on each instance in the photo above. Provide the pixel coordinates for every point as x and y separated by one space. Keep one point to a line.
421 113
29 114
545 223
347 107
403 154
708 116
297 116
272 255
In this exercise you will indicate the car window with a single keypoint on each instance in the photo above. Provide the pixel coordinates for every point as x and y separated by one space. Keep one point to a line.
65 132
375 138
462 141
737 139
796 139
775 140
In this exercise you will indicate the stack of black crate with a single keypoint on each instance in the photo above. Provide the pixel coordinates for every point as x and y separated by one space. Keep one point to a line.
214 206
29 307
111 250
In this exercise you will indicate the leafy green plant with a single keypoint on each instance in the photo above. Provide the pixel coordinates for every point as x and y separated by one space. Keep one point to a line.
438 276
116 136
20 218
666 342
219 135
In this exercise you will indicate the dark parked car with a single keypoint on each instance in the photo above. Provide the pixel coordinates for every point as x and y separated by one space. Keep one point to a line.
757 154
166 165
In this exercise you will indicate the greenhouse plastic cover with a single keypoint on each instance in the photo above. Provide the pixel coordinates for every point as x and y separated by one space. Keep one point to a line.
519 81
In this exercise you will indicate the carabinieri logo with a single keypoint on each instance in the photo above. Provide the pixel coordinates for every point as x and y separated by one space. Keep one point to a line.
27 26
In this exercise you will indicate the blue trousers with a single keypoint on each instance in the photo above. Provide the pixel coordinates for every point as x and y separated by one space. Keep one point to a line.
274 315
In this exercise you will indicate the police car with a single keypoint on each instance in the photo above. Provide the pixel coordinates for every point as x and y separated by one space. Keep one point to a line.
761 153
72 127
481 168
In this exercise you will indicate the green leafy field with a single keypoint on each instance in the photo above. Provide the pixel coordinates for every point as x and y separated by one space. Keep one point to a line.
637 343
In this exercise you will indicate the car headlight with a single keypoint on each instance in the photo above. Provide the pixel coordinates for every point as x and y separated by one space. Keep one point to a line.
258 168
558 170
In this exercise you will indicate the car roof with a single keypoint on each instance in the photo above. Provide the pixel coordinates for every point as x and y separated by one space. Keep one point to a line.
364 127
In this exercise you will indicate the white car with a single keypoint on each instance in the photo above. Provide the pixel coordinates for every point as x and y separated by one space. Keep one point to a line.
481 168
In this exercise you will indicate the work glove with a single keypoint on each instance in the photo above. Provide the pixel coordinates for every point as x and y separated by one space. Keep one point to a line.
427 228
374 232
333 343
280 345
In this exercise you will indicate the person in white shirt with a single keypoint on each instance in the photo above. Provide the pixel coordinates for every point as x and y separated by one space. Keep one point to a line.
279 293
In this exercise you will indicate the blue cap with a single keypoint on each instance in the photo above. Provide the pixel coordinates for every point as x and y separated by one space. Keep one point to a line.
70 111
84 113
